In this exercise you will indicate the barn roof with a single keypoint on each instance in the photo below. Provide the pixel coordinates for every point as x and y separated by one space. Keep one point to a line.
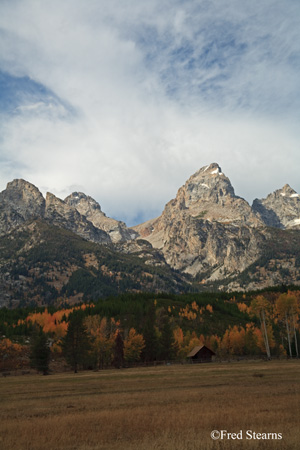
197 349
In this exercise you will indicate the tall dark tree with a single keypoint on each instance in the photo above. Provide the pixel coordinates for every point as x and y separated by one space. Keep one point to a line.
167 340
40 352
76 344
118 360
150 336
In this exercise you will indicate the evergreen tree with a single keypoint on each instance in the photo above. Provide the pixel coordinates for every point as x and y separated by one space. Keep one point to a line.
40 352
76 344
167 341
118 360
151 343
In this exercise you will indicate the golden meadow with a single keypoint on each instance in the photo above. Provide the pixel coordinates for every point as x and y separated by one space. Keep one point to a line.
165 407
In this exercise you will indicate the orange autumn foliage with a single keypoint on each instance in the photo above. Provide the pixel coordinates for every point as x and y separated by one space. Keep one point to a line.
133 346
243 307
53 323
103 332
10 355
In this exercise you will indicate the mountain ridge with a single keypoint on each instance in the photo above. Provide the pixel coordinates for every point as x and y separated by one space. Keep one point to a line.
194 189
207 233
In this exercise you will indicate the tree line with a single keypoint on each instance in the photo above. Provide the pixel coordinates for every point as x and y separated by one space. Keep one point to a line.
166 328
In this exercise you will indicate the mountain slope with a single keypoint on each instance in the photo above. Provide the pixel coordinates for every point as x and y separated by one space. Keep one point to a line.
43 263
206 238
278 264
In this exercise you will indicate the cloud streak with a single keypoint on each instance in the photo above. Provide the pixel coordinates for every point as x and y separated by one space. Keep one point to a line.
125 100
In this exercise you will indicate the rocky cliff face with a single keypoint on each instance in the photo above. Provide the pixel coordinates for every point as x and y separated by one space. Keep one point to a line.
91 210
21 201
63 215
281 209
206 229
210 194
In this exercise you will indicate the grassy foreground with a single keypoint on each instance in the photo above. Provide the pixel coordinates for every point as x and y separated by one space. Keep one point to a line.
169 408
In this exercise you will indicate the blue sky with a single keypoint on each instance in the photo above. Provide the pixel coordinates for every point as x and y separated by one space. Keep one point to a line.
125 100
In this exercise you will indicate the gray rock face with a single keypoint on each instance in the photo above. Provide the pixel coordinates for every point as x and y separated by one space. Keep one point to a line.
209 194
89 208
22 201
19 202
281 209
206 227
61 214
206 230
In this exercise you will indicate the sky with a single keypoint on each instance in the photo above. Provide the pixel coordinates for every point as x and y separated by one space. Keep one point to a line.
125 100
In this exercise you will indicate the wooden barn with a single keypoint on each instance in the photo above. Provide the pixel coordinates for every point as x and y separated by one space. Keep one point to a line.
200 354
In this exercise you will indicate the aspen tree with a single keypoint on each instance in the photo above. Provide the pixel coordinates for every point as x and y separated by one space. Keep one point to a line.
260 307
287 310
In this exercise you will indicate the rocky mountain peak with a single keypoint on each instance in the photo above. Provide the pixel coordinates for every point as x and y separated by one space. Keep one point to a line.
204 211
83 203
280 209
206 230
60 213
208 184
91 209
209 195
287 191
20 184
211 169
20 201
21 192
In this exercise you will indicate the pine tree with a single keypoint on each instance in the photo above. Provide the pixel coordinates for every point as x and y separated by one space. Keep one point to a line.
167 341
118 360
151 343
76 344
40 352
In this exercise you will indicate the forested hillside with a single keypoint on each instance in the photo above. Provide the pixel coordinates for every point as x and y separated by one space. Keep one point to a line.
134 328
41 264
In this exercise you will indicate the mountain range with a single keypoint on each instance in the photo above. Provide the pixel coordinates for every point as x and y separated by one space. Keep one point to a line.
205 238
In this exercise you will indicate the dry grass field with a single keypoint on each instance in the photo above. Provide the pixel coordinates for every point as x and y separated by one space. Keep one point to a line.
168 408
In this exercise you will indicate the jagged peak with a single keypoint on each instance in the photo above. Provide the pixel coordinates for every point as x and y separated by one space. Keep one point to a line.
287 191
207 181
286 187
51 197
24 199
210 195
56 203
209 176
20 192
211 169
77 198
20 183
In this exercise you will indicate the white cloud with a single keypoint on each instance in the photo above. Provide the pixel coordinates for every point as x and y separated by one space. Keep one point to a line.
158 89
